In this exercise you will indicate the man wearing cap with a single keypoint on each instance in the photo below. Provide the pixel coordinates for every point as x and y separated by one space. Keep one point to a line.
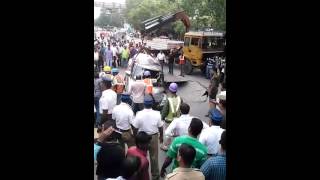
107 101
210 137
147 80
149 121
123 115
118 84
170 110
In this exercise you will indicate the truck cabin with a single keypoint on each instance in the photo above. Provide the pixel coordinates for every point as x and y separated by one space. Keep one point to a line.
205 40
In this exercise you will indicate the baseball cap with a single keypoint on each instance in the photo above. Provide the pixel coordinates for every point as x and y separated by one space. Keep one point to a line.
148 100
216 115
125 97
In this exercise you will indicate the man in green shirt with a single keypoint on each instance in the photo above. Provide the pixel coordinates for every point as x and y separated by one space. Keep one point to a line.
194 130
125 57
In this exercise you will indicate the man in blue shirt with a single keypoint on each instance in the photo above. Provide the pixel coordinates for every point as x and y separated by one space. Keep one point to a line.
215 167
109 56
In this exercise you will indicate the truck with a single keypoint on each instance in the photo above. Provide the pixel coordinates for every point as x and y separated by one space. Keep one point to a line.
200 46
162 43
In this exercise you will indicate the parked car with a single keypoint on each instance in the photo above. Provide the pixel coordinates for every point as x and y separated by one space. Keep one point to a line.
139 64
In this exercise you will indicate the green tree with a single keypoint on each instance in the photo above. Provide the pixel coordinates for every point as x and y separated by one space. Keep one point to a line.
140 10
202 13
179 29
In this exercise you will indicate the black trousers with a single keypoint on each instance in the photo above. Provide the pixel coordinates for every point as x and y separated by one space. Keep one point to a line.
161 63
181 69
100 64
170 64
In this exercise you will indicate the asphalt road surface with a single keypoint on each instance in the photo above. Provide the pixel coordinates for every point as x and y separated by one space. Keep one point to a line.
191 92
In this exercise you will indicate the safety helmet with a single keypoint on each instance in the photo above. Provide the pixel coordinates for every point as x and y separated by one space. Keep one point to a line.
115 70
147 73
106 68
173 87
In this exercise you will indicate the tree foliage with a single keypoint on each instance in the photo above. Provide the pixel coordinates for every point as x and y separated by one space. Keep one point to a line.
205 13
140 10
202 13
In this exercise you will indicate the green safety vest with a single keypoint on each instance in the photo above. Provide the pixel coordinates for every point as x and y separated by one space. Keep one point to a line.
174 108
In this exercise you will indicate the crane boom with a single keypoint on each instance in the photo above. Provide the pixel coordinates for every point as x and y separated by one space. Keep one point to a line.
157 22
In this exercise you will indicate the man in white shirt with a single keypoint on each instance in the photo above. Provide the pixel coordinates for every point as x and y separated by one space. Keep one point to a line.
114 54
107 101
161 58
136 90
149 121
210 137
123 115
179 126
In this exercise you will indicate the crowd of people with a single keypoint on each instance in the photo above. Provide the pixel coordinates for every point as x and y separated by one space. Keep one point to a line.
112 52
130 128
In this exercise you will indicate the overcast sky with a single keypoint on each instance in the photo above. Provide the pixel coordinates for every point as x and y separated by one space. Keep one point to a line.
97 9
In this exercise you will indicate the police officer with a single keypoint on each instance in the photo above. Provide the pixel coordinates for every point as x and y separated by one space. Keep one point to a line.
170 111
107 101
149 121
123 115
185 158
118 83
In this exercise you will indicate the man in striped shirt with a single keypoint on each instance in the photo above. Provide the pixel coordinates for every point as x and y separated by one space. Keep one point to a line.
215 167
